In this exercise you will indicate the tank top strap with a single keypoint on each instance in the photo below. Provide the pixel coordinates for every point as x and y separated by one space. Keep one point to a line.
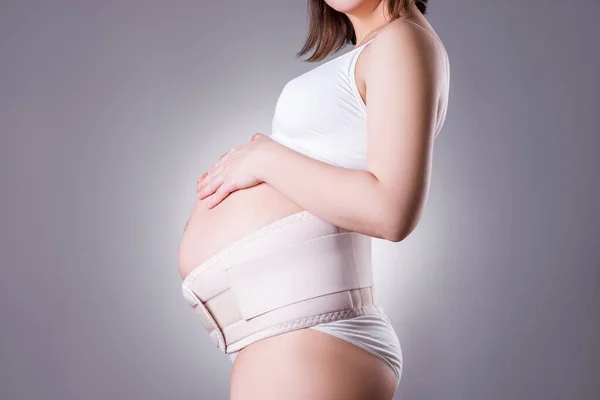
351 74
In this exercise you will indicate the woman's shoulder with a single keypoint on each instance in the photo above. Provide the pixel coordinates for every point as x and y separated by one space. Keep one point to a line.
406 35
418 45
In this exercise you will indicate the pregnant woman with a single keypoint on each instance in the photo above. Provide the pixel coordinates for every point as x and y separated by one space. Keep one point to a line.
276 256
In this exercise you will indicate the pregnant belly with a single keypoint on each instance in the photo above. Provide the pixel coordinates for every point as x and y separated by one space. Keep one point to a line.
243 211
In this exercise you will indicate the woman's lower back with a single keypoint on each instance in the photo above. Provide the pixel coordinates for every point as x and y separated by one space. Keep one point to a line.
242 212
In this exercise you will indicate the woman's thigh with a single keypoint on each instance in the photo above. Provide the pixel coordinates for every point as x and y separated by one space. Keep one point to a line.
308 364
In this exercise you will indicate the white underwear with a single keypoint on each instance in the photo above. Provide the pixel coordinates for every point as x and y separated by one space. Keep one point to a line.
297 272
373 333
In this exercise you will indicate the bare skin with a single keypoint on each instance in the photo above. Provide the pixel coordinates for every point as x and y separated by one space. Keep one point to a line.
308 364
210 229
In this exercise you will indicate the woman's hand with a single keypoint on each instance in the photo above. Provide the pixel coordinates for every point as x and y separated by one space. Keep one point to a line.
232 171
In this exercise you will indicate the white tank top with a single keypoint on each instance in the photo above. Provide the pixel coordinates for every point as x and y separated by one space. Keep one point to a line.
321 114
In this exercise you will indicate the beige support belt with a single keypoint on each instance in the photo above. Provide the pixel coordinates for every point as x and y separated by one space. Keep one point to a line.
298 285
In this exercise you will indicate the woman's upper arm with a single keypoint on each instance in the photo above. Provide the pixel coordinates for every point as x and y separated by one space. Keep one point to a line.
403 76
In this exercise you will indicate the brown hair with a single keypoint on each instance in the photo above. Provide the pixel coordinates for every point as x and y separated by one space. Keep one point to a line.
330 30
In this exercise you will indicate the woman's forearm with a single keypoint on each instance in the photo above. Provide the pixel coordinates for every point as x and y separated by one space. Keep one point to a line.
351 199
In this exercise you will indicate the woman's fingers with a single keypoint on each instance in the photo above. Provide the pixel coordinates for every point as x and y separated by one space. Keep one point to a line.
208 176
200 179
207 190
222 192
209 186
214 167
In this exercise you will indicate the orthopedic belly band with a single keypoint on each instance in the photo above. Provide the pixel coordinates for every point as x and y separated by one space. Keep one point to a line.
293 273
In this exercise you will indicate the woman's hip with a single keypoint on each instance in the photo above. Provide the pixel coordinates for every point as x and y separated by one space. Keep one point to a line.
309 364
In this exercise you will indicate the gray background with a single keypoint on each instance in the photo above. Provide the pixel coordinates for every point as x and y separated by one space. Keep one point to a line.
110 110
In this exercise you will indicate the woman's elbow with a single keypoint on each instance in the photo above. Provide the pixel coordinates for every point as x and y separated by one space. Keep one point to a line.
397 229
394 234
388 229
